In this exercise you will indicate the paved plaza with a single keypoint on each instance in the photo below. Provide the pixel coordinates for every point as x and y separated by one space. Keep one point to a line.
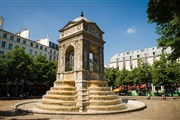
157 109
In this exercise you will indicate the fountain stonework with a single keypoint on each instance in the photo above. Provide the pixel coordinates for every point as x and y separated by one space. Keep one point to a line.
80 86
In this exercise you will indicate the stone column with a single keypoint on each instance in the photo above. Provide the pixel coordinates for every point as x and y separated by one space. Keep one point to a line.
81 94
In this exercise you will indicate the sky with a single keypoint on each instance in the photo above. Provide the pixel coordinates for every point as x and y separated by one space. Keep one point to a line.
124 22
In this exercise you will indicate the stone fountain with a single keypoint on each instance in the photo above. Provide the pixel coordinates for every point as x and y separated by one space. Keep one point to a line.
79 88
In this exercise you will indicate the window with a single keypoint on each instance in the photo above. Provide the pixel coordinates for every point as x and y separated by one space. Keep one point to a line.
11 37
36 52
31 44
50 57
154 53
54 52
30 51
131 67
130 62
124 64
45 49
5 35
41 47
130 57
138 56
18 39
123 58
36 46
3 44
24 41
56 47
10 46
50 51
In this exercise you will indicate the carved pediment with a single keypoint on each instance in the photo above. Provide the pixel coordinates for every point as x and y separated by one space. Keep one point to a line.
95 27
69 24
70 29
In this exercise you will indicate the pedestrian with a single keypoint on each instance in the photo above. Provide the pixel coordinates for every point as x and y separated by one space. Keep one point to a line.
21 96
8 95
163 96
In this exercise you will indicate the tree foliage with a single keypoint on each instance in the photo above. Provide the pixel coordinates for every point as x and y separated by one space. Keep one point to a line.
18 67
165 72
166 13
110 76
44 71
121 77
162 72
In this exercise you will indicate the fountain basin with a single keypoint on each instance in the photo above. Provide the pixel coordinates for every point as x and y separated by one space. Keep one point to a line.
29 106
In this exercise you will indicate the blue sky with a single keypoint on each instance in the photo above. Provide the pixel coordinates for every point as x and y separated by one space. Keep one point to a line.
124 22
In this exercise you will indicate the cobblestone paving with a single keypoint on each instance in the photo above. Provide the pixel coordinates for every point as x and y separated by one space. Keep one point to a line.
157 109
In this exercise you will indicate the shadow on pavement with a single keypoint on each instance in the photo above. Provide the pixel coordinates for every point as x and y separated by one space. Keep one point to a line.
5 114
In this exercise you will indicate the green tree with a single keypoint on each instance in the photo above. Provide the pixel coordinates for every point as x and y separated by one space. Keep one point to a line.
17 64
165 73
129 79
120 77
110 76
143 73
159 75
173 75
166 13
44 71
2 69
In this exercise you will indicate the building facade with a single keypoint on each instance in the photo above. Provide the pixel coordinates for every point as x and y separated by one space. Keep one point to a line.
9 40
129 60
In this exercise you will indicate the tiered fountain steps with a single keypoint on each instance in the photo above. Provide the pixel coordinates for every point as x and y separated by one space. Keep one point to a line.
101 98
61 98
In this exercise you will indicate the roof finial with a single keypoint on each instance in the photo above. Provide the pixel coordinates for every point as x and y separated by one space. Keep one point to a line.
82 15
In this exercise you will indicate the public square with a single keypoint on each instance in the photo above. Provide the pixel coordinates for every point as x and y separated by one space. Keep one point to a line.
157 109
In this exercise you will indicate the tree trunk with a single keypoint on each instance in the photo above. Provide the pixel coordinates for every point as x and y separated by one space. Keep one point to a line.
170 90
17 86
177 89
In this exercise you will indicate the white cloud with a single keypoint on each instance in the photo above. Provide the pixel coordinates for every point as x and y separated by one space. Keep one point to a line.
131 30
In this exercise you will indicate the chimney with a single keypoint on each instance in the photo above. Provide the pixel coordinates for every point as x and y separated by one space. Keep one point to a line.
1 22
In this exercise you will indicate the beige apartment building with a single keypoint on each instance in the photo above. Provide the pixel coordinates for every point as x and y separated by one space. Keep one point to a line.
129 60
44 46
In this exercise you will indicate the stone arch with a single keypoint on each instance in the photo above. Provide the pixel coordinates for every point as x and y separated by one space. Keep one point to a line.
69 58
93 59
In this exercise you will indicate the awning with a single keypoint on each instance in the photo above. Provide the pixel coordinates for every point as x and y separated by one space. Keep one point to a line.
143 86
